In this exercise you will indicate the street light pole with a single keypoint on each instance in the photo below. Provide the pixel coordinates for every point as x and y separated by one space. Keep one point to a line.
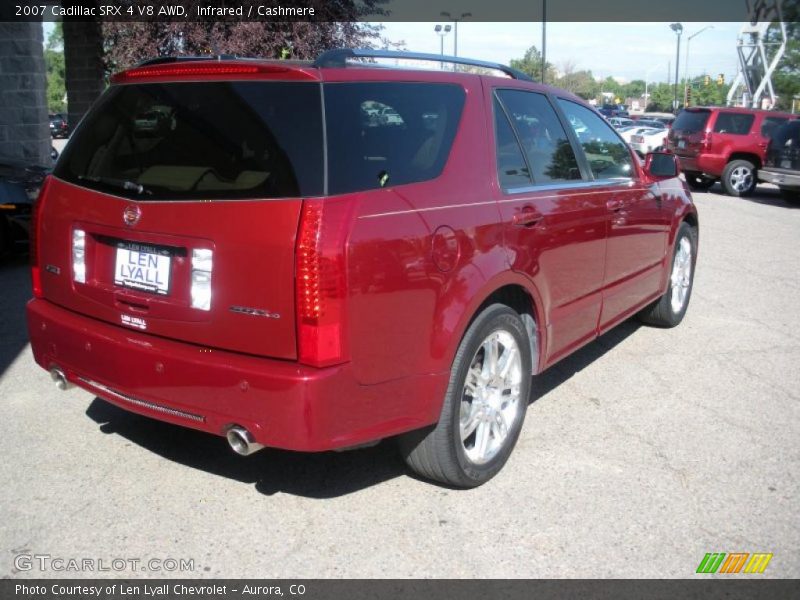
455 21
678 29
686 62
544 38
441 32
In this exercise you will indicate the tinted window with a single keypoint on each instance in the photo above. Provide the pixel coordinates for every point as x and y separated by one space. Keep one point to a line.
200 141
511 167
385 134
550 155
608 156
770 123
736 123
691 121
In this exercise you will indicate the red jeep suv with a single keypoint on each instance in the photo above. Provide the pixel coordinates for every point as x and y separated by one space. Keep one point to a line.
725 144
240 247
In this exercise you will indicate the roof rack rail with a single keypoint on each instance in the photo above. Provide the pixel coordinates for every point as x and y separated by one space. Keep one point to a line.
158 60
337 58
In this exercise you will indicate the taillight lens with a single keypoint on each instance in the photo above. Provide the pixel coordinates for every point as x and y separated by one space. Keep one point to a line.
321 282
35 237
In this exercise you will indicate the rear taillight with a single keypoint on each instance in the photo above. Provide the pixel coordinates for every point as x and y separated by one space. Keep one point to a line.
35 237
706 141
321 282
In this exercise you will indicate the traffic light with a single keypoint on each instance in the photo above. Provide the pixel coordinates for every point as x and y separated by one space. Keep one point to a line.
689 96
721 79
707 80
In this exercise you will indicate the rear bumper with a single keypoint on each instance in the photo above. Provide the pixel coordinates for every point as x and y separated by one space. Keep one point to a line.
780 178
283 404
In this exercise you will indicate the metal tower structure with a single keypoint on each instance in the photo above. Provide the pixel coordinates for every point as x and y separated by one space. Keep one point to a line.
754 77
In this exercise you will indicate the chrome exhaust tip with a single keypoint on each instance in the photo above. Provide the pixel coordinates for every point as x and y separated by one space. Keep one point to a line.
58 377
242 441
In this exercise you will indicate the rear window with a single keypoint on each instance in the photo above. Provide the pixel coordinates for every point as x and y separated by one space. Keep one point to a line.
691 121
735 123
387 134
201 141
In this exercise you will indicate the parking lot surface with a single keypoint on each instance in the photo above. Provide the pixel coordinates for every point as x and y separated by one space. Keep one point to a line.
641 453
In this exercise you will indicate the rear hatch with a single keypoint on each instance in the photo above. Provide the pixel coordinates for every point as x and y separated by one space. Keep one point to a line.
783 151
687 135
169 190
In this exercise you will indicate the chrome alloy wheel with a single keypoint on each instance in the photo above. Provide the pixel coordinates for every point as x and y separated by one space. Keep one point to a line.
490 402
741 179
681 277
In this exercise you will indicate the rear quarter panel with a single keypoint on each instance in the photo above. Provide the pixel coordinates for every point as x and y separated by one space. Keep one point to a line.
418 256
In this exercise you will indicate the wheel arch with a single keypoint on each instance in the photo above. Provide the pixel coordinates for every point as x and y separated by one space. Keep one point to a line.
515 291
748 156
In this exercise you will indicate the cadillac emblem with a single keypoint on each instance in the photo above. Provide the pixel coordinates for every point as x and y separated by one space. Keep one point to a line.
131 215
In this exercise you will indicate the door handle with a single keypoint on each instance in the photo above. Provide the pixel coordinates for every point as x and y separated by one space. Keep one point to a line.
615 205
526 217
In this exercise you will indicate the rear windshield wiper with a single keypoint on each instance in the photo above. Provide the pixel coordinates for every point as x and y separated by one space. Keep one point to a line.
123 184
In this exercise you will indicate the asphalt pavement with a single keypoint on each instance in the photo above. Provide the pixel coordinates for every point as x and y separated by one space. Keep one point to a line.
641 453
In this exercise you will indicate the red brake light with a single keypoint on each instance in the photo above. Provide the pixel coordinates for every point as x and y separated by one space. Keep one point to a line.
35 237
208 69
321 286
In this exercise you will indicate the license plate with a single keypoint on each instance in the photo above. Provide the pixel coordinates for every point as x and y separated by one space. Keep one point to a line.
143 268
681 143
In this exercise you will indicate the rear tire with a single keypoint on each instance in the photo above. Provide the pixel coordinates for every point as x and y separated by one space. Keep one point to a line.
739 178
484 406
698 182
669 310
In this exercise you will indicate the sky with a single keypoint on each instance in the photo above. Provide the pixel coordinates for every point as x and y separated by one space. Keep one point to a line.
625 51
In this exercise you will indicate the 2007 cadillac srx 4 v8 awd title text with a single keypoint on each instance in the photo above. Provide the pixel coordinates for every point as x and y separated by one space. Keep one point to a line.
250 248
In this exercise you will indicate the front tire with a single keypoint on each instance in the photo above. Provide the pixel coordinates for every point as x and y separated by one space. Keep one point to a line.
698 182
484 406
739 178
669 310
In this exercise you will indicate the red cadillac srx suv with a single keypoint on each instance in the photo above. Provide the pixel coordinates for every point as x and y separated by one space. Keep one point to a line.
244 247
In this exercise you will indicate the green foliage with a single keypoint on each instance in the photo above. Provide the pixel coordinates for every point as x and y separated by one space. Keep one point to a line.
531 65
54 65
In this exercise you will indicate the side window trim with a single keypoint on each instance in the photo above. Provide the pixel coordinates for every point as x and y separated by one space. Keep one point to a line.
577 149
496 102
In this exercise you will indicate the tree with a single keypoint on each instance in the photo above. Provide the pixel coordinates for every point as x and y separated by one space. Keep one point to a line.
531 65
336 25
580 83
54 65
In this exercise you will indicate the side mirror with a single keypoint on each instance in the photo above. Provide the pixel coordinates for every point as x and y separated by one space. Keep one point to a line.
661 165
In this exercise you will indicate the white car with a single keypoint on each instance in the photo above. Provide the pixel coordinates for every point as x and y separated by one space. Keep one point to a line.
620 122
628 132
648 140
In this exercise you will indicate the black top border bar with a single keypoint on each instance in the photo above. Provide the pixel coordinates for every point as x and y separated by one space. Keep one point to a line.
402 10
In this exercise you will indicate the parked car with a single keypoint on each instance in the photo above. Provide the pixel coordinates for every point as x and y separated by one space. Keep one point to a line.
618 122
726 144
627 133
368 281
19 186
782 162
654 123
649 140
58 126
